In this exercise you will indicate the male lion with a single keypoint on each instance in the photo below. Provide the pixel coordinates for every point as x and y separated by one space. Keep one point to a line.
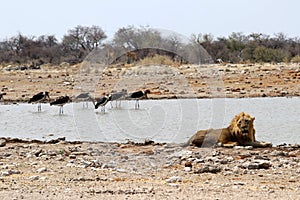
240 132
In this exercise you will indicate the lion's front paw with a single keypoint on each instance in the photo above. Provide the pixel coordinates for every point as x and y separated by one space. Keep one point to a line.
229 145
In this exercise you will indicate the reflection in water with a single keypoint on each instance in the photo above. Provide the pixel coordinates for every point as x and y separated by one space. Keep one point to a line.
277 120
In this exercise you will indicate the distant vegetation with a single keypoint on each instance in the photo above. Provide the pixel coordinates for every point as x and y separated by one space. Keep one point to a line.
81 40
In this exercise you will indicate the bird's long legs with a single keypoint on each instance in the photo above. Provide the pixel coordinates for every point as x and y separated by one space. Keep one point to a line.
39 107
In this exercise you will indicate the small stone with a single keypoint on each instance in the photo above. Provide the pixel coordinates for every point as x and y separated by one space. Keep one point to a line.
187 169
238 183
292 154
209 169
34 178
235 169
72 156
121 170
257 164
41 170
5 173
2 142
37 152
174 179
238 147
188 164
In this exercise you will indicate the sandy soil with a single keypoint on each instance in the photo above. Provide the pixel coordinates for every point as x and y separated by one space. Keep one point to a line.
64 170
206 81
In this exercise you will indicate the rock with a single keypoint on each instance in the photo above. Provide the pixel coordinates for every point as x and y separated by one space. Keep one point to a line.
5 173
235 170
257 164
209 169
37 152
187 169
279 153
121 170
2 142
34 178
188 164
108 166
41 170
174 179
72 156
10 172
238 183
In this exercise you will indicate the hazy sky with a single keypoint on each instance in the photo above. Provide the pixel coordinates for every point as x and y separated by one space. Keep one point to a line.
218 17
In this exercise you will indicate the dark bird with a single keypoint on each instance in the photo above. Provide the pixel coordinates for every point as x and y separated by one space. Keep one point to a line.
38 98
84 97
1 95
118 96
137 96
102 102
61 101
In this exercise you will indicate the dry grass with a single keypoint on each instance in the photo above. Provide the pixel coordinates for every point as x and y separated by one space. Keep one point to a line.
158 60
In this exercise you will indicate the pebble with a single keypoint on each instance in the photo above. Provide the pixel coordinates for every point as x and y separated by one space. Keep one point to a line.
239 183
174 179
34 178
187 169
257 164
10 172
41 170
209 169
2 142
121 170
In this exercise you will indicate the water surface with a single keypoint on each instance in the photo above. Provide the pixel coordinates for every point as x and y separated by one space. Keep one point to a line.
277 120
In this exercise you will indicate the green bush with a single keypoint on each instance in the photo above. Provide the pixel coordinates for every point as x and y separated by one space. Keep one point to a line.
263 54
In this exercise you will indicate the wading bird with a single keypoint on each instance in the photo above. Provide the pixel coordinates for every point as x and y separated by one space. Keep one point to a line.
61 101
84 97
118 96
38 98
137 96
102 102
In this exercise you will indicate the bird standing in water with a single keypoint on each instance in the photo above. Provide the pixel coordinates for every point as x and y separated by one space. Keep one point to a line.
61 101
118 96
84 97
38 98
102 102
137 96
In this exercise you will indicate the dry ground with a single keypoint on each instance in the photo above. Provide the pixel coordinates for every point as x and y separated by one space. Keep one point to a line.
206 81
66 170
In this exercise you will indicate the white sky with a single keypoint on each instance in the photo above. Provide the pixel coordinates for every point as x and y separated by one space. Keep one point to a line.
218 17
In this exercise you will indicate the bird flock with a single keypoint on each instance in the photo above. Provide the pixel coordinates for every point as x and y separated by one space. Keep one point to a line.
44 97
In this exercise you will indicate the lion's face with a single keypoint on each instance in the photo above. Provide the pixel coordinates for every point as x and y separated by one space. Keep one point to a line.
245 123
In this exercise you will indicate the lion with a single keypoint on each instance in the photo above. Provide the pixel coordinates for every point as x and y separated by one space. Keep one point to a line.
240 132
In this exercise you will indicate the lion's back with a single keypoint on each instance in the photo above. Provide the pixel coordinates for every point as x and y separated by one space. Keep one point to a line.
210 137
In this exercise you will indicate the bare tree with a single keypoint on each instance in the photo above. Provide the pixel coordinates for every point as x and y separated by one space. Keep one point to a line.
81 40
131 38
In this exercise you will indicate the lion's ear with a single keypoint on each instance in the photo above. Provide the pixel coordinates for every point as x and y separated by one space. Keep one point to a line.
253 118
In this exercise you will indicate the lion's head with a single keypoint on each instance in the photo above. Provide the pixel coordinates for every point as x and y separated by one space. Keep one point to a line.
242 126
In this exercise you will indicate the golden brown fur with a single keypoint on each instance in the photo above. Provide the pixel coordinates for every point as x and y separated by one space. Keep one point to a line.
240 132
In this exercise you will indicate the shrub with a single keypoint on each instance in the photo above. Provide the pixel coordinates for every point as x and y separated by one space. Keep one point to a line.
296 59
